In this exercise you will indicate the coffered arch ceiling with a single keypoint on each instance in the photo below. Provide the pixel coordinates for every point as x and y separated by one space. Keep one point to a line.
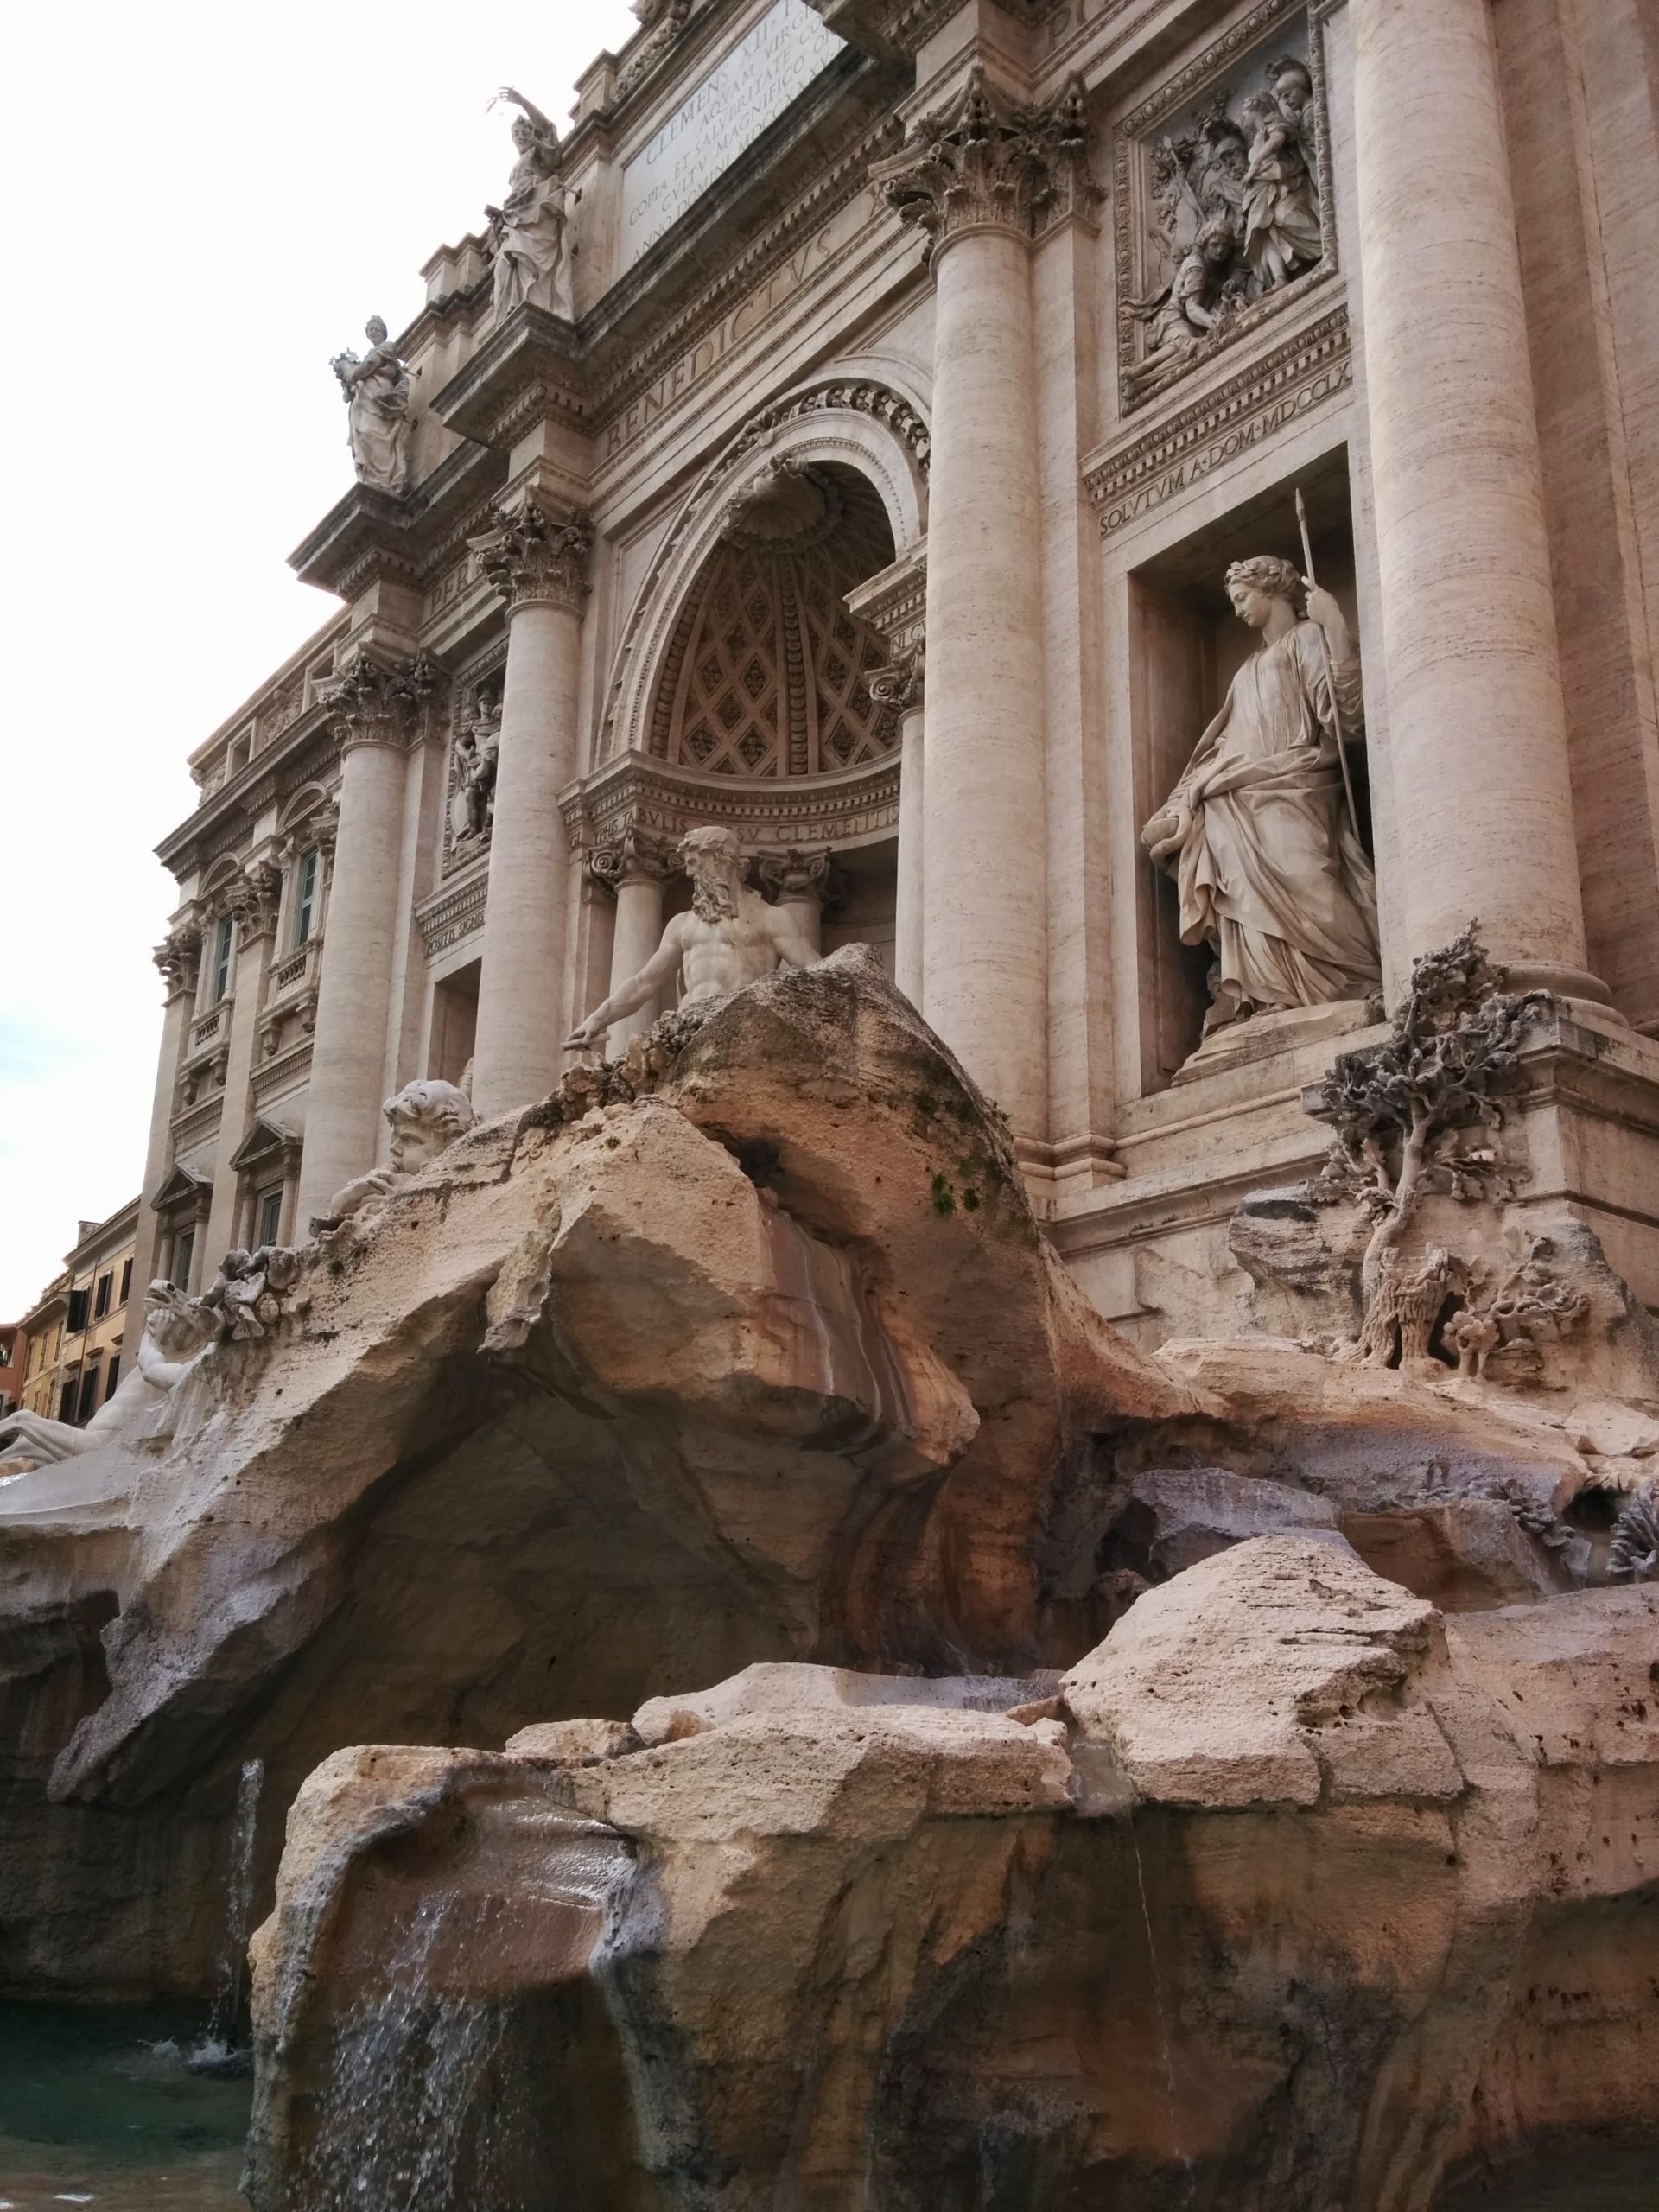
768 671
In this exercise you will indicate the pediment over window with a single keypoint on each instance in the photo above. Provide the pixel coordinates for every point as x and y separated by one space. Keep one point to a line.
184 1192
266 1144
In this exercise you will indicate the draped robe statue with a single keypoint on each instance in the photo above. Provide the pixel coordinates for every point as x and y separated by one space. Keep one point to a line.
376 394
532 254
1256 833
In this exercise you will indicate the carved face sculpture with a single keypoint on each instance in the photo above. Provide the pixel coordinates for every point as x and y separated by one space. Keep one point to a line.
173 1323
426 1118
1294 86
1252 585
375 331
711 859
1250 603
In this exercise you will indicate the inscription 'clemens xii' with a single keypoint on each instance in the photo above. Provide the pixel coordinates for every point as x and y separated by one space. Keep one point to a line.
733 104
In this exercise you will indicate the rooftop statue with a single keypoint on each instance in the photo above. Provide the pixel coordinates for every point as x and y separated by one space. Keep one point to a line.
376 393
532 252
730 937
1271 872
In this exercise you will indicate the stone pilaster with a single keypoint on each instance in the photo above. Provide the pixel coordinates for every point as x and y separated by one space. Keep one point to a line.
982 181
636 867
179 958
904 685
1478 741
253 901
379 710
537 559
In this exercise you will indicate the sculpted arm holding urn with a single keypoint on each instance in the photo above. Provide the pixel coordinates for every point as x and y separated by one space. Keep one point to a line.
1270 872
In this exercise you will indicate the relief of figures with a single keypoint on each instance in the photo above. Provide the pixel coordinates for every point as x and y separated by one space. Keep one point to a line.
1233 217
471 798
377 395
1258 833
531 229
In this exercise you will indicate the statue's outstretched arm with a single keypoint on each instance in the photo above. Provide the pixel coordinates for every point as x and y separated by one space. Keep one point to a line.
549 129
658 971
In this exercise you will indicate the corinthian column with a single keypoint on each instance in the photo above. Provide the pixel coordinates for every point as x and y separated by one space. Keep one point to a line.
1478 746
179 958
635 865
983 179
252 901
537 561
378 712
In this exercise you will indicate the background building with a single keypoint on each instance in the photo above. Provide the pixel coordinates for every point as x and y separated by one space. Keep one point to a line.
858 467
72 1340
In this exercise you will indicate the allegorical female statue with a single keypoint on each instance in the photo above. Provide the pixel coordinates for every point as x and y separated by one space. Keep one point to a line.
532 253
1271 874
376 393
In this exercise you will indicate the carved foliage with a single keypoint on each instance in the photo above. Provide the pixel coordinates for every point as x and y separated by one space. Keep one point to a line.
179 958
378 702
988 163
535 557
632 856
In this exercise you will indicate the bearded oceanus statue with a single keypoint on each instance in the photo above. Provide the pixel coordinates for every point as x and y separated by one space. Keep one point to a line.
1257 834
730 937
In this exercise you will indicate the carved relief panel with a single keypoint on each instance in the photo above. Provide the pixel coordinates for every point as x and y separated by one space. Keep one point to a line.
1222 199
475 732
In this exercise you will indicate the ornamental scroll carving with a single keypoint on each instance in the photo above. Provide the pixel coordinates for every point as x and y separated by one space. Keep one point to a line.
633 855
535 557
985 163
1222 207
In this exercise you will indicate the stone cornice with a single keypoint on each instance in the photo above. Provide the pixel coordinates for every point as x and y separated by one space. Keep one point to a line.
532 366
901 28
456 911
370 537
852 807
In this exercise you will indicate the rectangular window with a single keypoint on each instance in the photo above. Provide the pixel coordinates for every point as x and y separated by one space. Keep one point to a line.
101 1301
223 938
77 1301
5 1352
127 1281
270 1215
67 1402
88 1394
112 1378
184 1245
305 896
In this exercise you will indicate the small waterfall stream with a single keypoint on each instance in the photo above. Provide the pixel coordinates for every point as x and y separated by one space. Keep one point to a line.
218 2052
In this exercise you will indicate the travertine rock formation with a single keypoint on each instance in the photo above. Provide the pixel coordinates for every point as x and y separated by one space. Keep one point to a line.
1271 1905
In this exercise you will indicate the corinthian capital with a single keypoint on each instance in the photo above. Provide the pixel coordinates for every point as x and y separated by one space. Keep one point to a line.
632 856
179 956
535 556
795 875
378 702
986 164
254 899
903 682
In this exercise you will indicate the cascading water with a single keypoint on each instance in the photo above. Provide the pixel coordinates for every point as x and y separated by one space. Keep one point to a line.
217 2053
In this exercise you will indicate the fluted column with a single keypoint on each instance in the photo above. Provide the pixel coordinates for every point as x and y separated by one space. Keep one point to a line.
904 685
983 179
537 560
379 710
636 866
179 958
1483 798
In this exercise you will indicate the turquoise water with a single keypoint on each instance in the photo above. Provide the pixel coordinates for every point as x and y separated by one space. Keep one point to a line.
91 2115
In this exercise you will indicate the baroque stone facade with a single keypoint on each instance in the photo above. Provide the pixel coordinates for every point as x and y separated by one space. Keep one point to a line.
837 339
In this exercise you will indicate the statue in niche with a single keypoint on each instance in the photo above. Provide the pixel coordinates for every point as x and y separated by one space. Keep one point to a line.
1281 208
530 227
1271 872
426 1117
471 802
376 394
730 937
177 1331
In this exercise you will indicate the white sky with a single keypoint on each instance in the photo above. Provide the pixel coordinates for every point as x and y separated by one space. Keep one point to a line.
204 202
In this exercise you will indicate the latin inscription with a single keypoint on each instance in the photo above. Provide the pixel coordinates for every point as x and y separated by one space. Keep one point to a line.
729 109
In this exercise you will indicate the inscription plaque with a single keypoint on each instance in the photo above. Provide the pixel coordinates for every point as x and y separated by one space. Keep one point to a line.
731 107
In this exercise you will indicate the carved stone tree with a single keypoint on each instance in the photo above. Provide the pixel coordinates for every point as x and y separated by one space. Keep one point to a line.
1403 1115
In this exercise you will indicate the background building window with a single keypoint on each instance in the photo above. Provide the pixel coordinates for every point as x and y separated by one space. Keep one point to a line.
111 1378
305 896
223 937
67 1402
184 1245
101 1299
269 1217
77 1312
126 1279
88 1394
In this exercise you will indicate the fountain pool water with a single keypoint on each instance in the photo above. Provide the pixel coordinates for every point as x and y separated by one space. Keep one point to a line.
97 2109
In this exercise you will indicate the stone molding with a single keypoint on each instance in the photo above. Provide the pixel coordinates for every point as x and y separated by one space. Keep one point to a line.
985 163
282 1074
1282 385
381 702
537 555
855 807
456 911
179 958
895 603
632 856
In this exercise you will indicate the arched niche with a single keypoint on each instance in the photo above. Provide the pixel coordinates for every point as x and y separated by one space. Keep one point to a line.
863 442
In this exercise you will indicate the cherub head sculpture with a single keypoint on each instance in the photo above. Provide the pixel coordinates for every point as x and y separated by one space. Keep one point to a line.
426 1118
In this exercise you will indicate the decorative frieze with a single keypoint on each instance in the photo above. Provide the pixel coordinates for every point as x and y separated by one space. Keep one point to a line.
987 164
851 809
534 555
455 913
283 1073
1280 388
